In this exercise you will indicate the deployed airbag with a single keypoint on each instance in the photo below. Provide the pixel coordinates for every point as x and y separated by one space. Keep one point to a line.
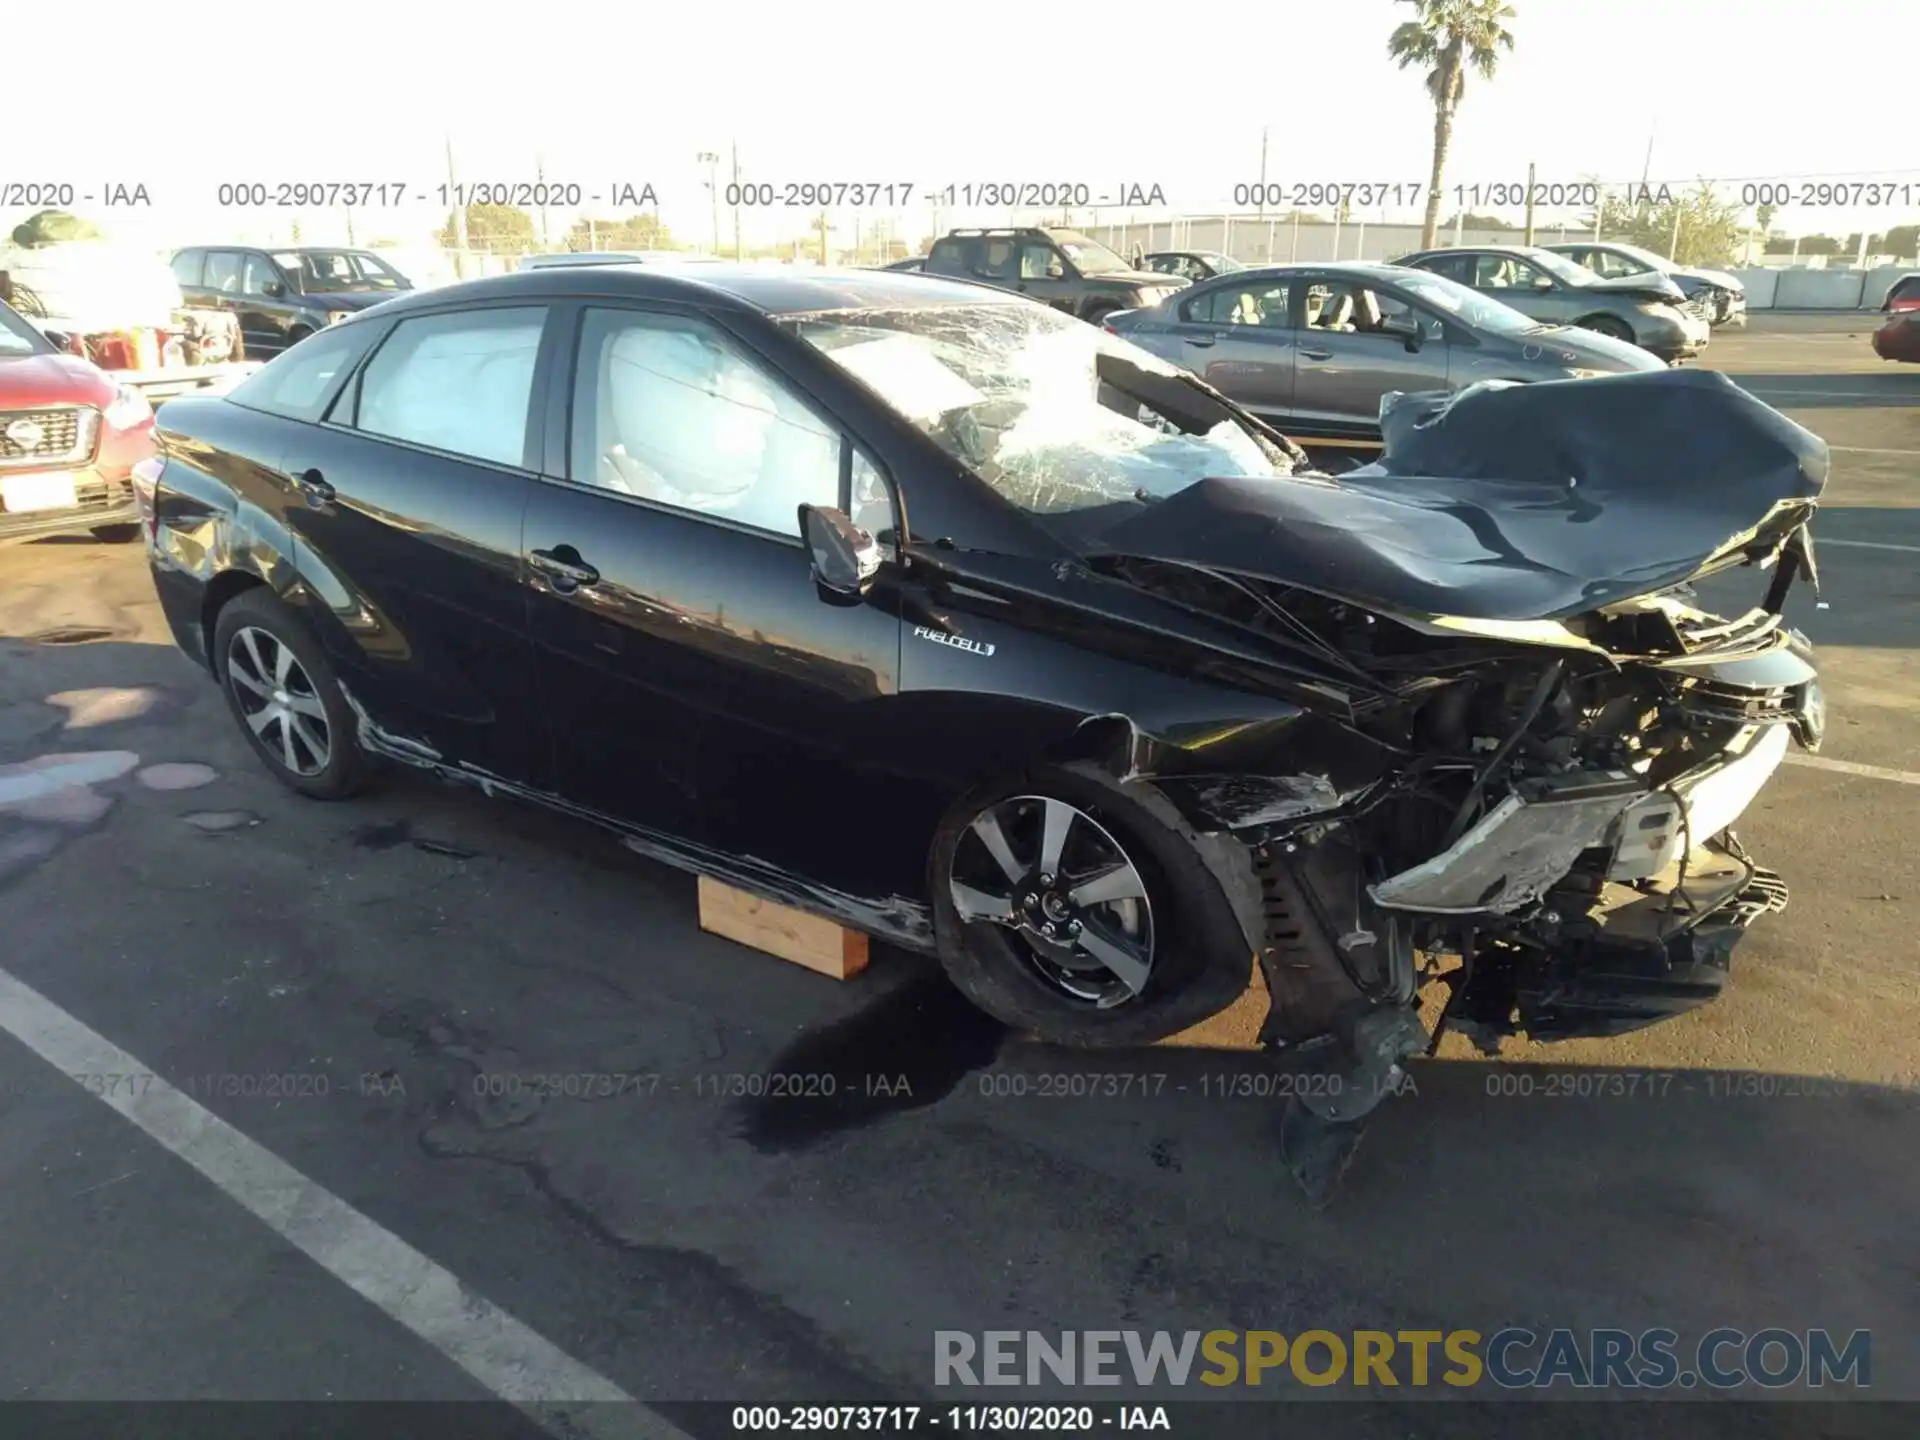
1510 502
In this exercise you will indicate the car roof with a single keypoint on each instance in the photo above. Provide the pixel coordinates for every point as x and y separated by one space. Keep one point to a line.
762 289
1357 269
1518 251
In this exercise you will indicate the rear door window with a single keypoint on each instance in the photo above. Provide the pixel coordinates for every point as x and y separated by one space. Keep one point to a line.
994 260
459 382
187 265
223 271
1260 305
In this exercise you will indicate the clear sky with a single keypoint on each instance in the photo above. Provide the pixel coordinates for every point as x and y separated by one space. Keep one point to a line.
1105 94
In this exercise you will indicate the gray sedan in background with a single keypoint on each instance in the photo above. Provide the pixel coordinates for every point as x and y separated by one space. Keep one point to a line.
1312 348
1648 309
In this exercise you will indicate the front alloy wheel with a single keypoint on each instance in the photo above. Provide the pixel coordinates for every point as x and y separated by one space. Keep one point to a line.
278 701
1074 899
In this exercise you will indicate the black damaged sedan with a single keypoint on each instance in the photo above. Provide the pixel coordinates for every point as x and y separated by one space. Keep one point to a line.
978 629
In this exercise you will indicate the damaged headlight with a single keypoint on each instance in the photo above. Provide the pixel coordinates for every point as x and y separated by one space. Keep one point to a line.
1810 716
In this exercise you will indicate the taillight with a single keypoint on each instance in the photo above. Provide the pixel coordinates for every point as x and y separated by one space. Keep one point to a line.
146 488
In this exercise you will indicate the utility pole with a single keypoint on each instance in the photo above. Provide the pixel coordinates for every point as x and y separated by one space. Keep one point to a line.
453 191
736 199
1262 197
1647 169
711 160
1673 245
540 189
823 238
1529 202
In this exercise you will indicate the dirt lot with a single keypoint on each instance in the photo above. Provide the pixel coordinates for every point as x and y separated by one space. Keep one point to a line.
404 961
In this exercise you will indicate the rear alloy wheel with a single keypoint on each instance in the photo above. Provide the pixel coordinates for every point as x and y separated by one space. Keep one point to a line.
283 693
1065 907
1609 326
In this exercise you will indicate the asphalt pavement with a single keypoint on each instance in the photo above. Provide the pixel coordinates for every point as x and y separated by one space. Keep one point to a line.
412 1005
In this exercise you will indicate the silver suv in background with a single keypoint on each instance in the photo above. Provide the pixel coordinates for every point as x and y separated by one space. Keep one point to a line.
1648 309
1313 348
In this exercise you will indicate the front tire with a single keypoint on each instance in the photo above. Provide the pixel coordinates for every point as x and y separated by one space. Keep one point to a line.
1610 326
289 705
1065 907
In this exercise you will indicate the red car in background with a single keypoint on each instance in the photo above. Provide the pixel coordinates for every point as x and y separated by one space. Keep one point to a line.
1899 338
1904 294
72 441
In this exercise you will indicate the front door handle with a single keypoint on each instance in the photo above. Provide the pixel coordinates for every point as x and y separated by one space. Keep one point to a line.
1200 340
1316 354
315 490
564 567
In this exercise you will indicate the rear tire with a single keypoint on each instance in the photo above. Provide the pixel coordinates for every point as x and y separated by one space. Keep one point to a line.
283 693
1609 326
1197 960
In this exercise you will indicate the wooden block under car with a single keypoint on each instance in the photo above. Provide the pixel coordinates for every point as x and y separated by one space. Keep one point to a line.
808 940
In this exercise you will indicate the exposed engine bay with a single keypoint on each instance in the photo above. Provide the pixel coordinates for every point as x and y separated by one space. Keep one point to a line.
1548 825
1562 818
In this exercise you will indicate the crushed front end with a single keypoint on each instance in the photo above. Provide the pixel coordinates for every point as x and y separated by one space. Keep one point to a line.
1590 879
1559 739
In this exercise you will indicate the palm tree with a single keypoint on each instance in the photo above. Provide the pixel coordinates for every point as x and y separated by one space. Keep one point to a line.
1449 36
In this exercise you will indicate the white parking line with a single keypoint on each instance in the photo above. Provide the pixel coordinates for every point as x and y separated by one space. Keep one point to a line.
1849 767
1822 542
1868 450
558 1393
1763 392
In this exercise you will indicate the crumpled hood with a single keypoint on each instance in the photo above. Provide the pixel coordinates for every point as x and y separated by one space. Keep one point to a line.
1718 278
1652 284
1510 502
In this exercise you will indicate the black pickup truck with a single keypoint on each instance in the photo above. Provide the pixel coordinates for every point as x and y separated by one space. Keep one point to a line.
1061 268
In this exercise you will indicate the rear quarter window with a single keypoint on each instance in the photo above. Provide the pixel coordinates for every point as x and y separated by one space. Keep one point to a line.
299 383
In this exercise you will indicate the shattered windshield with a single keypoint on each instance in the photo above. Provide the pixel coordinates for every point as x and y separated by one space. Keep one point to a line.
1558 266
1470 307
1089 257
1054 414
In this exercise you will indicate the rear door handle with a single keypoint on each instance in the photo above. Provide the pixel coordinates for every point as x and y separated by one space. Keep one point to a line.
1200 340
315 490
564 567
1317 354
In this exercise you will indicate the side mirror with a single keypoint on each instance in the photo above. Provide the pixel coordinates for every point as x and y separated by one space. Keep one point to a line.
845 558
59 339
274 289
1407 328
1543 282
